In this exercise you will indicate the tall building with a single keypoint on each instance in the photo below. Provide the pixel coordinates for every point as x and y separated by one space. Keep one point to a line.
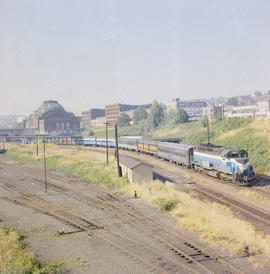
88 116
112 112
194 108
52 119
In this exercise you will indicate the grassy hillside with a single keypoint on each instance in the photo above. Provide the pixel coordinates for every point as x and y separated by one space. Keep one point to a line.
100 132
252 135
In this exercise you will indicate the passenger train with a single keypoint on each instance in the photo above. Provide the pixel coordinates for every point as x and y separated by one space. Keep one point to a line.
224 163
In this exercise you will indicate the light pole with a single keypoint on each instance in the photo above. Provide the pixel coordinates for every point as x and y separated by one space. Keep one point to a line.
208 134
116 152
44 157
107 152
37 146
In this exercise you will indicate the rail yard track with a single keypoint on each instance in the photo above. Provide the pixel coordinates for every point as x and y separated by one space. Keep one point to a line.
182 253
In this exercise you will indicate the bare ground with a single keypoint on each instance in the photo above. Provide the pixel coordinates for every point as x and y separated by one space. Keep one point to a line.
78 252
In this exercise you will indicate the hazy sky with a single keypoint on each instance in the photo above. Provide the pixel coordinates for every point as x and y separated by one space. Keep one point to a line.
88 53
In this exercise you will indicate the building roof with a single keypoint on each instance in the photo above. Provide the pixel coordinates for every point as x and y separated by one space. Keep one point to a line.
130 162
48 106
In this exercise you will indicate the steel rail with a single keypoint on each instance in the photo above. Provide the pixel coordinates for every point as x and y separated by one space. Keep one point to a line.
63 209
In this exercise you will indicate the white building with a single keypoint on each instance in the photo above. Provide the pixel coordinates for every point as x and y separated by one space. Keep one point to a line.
194 108
263 106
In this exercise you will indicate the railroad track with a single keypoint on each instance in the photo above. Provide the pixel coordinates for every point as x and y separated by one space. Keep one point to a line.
152 258
191 253
248 209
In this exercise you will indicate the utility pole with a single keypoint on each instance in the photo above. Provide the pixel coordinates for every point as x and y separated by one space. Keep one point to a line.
208 134
44 157
117 153
37 146
4 147
107 152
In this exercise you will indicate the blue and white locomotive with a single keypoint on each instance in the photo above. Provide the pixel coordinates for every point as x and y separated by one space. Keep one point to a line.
224 163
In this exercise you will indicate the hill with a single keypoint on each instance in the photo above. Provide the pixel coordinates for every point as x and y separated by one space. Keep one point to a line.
252 135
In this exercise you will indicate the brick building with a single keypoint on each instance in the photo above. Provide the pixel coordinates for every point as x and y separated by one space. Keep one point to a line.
112 112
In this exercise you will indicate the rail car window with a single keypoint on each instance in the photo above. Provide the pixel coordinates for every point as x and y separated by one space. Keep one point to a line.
242 154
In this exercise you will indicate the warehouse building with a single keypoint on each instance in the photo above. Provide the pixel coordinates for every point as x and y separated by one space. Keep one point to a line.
88 116
112 112
136 171
52 119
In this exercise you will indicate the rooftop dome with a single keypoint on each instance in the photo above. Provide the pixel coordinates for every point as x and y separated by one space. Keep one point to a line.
48 106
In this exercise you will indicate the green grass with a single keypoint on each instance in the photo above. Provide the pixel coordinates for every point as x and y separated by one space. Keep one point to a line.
74 162
166 204
15 259
128 130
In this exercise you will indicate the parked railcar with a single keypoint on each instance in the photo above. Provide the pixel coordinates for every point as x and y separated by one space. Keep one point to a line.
89 141
102 142
224 163
177 153
150 147
128 143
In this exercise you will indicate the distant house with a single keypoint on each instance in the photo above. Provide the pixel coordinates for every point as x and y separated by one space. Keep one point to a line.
136 171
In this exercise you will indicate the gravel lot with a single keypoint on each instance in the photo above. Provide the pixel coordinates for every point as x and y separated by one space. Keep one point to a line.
78 252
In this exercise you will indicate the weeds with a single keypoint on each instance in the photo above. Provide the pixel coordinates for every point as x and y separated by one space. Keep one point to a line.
214 223
15 259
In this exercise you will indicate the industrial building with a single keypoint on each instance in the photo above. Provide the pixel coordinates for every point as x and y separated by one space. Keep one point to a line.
194 108
88 117
213 111
136 171
52 119
112 112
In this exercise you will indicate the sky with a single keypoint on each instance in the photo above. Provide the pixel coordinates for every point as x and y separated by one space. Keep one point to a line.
89 53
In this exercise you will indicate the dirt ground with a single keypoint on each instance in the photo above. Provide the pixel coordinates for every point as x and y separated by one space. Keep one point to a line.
79 252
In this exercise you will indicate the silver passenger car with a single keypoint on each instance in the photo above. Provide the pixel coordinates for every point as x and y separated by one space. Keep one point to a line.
178 153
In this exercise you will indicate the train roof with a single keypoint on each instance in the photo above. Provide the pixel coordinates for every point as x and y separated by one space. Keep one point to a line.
174 145
149 142
217 150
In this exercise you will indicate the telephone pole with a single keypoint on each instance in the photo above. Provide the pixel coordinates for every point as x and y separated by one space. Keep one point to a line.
107 152
116 152
208 134
37 146
44 157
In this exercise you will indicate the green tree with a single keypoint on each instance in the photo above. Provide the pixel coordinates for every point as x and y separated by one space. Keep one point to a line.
181 116
123 120
155 116
169 117
139 114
